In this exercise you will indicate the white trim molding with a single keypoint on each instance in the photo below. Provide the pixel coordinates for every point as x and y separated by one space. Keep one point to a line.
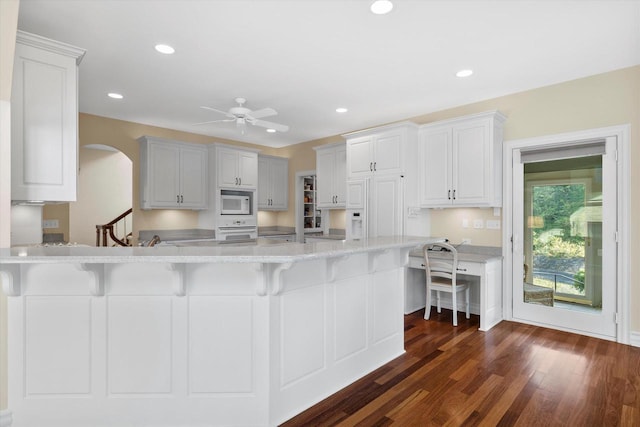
634 338
6 419
622 133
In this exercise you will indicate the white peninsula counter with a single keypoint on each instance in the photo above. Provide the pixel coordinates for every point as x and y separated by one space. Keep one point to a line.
197 336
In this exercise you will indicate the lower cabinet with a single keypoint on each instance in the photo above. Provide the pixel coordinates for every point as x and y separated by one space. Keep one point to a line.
273 183
173 174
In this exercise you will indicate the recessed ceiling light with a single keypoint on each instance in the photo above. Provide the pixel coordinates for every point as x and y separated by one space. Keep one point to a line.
271 130
114 95
380 7
464 73
165 48
341 110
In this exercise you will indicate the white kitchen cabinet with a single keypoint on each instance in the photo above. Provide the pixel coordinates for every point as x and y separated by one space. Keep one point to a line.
385 206
461 161
273 183
378 151
236 168
173 174
331 161
44 119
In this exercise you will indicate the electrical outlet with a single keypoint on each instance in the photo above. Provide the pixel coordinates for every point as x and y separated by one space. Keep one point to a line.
465 241
478 223
50 223
493 224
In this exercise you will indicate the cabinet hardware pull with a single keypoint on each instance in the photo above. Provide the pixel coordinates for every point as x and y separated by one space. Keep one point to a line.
461 269
371 166
374 166
181 199
236 180
454 194
240 180
177 198
422 265
449 195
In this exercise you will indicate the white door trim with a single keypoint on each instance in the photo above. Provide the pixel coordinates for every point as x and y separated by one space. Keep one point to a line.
623 211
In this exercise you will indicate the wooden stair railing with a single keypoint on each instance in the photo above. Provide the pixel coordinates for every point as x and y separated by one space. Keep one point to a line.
108 229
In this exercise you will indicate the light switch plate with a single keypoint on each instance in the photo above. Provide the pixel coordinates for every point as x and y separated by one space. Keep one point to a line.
493 224
50 223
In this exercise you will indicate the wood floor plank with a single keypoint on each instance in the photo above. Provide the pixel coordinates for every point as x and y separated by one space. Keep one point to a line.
514 374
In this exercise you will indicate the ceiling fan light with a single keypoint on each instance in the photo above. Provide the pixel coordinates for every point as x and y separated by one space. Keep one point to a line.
381 7
241 125
271 130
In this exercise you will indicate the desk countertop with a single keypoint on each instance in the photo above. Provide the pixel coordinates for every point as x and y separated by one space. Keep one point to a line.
480 254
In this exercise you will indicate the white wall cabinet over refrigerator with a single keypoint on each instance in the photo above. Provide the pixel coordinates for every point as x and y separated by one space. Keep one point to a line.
461 161
44 119
379 151
273 183
173 174
331 161
236 168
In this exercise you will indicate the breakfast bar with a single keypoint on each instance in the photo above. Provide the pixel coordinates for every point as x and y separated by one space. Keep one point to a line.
193 336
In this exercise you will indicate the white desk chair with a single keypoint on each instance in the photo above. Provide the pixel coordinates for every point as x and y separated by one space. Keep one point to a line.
441 272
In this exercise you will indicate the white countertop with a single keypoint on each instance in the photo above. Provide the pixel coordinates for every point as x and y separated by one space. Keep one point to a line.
261 252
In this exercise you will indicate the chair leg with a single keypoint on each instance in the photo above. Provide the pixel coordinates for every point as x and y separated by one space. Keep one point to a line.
454 307
427 306
466 293
438 302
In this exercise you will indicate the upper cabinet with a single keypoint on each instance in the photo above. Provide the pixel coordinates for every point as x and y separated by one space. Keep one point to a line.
331 162
44 119
461 161
236 168
273 183
378 151
173 174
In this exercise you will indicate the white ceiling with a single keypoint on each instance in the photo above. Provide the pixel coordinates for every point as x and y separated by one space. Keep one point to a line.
305 58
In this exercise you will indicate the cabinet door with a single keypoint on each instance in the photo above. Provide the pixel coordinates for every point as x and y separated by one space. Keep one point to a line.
325 172
435 167
193 178
471 163
388 153
360 158
264 182
340 177
248 169
386 206
44 115
163 175
227 167
279 178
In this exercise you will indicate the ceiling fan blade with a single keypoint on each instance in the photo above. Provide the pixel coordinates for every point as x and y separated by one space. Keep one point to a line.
226 113
265 112
214 121
265 124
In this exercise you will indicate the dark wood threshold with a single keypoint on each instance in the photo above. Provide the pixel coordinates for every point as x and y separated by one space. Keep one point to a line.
514 374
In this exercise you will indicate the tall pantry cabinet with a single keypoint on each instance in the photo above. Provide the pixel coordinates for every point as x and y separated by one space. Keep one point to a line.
44 119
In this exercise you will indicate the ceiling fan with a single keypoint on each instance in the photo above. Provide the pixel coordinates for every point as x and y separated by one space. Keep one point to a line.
242 115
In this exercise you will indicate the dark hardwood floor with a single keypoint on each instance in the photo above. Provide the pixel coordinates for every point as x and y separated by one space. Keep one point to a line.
514 374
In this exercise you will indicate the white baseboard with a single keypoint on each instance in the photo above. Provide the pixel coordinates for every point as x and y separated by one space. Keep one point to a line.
634 339
5 418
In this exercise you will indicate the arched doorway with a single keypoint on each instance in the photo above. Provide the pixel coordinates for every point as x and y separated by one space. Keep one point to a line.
105 185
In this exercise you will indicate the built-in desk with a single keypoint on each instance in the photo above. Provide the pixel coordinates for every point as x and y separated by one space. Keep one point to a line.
483 271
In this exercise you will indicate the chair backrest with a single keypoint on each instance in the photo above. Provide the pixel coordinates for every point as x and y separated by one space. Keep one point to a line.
445 265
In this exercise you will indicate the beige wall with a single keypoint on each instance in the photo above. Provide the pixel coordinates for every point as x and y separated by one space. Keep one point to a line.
8 28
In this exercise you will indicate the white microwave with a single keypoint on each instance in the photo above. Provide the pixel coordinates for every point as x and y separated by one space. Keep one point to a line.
235 204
